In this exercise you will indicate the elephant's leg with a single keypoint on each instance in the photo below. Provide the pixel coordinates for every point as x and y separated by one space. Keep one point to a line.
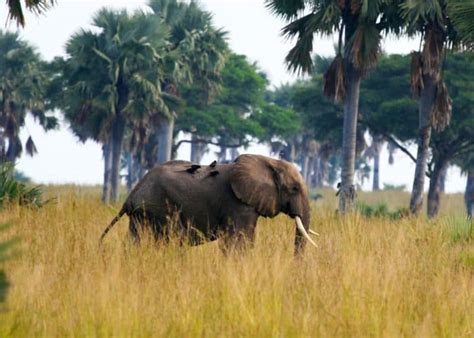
240 231
133 229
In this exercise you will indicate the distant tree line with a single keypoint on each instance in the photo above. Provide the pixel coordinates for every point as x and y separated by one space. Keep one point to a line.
388 117
361 26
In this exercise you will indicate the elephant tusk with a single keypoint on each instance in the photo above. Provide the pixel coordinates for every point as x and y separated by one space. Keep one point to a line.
301 229
312 232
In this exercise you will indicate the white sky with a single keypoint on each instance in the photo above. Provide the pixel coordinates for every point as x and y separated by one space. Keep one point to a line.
252 31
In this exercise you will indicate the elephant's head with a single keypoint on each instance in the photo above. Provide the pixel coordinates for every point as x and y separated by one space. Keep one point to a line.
273 186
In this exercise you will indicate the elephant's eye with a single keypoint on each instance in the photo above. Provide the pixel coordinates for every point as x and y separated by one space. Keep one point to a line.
295 189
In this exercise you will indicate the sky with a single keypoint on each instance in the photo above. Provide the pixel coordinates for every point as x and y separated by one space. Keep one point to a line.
252 31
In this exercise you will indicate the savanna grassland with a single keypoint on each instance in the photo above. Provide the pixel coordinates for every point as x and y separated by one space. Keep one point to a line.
369 277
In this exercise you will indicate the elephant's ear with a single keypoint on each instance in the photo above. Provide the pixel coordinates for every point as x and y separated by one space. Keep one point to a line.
255 182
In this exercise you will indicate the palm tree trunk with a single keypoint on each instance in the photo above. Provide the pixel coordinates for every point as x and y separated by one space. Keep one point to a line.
130 172
442 178
138 167
3 150
469 193
425 107
434 189
13 150
222 156
197 150
322 171
194 150
106 187
165 139
316 175
304 167
351 107
234 153
376 179
309 170
118 130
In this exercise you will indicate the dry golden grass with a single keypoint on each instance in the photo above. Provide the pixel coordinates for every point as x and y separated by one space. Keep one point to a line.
368 278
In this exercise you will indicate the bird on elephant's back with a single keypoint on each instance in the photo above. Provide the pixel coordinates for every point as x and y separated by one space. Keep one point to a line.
218 201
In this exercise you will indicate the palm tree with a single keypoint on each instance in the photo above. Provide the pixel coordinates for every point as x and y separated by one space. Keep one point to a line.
16 9
23 82
461 13
114 78
360 24
434 103
197 53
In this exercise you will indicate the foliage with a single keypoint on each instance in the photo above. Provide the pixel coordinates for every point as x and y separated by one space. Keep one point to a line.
23 83
322 119
135 71
16 9
393 187
380 210
457 140
461 13
277 122
388 109
361 21
386 105
236 112
13 191
114 73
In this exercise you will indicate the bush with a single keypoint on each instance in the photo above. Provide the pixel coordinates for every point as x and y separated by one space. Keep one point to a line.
13 191
314 195
393 187
380 210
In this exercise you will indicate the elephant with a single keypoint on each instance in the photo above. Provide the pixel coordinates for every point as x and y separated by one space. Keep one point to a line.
215 201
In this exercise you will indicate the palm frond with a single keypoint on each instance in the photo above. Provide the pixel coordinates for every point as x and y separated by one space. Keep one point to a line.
299 57
287 9
30 147
16 12
442 110
416 78
364 47
334 80
461 12
433 49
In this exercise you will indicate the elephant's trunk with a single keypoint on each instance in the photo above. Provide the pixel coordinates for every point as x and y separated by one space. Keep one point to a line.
302 228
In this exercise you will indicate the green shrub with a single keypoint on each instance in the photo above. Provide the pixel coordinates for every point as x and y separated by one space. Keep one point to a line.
394 187
314 195
380 210
13 191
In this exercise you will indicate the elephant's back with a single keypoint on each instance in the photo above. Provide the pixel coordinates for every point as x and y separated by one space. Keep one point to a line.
179 183
147 193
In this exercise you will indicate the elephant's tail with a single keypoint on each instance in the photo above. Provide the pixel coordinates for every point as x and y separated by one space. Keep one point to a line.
115 220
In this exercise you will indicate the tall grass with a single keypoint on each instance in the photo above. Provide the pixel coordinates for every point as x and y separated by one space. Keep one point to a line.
369 277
